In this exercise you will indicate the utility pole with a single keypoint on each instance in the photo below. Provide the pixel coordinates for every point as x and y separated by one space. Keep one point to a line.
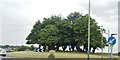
108 44
102 45
89 32
102 42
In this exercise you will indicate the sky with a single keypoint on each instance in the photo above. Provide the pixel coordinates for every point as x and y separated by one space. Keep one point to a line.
17 17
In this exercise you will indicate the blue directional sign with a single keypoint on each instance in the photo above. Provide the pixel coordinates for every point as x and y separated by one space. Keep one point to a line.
35 49
112 40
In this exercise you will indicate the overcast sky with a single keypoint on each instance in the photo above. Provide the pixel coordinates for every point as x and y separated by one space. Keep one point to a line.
18 16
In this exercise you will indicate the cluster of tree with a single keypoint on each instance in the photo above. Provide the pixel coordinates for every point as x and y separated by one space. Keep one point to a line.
7 46
56 31
17 48
24 48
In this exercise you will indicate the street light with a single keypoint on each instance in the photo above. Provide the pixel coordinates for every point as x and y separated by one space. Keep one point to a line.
89 31
108 43
102 42
102 30
108 33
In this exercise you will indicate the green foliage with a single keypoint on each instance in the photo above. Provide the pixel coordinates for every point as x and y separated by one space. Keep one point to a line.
48 35
73 16
33 36
31 47
73 31
5 46
22 48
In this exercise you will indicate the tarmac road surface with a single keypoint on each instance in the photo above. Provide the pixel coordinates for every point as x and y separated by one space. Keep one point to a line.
56 59
1 57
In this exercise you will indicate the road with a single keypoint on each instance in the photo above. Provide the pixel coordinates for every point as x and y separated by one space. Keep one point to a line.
55 59
4 57
20 59
12 58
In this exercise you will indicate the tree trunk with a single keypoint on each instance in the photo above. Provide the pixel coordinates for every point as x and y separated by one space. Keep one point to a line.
94 48
52 47
77 48
69 48
86 49
64 47
49 48
72 46
57 47
44 48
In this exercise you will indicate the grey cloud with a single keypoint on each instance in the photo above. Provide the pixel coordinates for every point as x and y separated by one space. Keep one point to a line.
14 24
103 9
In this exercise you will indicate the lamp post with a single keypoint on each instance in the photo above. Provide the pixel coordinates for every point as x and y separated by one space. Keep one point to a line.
102 30
108 44
102 42
89 32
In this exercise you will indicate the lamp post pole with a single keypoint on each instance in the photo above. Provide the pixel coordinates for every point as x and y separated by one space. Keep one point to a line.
108 44
102 44
89 32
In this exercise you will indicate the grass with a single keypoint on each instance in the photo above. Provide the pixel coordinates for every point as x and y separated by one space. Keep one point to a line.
30 54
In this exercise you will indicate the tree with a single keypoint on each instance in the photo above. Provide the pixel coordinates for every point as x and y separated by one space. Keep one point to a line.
58 22
31 47
56 32
49 36
64 34
81 33
22 48
73 16
6 46
33 36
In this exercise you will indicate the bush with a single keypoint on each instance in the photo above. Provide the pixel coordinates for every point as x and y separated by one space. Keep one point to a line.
32 47
22 48
51 54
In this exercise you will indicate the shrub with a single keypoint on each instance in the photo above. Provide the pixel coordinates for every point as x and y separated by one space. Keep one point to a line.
52 55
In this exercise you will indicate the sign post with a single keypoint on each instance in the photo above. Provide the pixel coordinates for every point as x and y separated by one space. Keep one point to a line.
111 47
111 41
35 50
0 57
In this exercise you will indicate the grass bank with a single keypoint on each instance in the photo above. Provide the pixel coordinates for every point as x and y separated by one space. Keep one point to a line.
30 54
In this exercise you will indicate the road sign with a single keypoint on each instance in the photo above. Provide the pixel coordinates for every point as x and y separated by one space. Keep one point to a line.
35 49
112 40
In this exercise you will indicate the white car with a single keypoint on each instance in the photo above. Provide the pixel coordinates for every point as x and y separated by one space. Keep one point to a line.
2 52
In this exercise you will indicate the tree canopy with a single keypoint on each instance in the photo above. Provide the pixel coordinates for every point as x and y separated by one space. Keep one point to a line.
72 31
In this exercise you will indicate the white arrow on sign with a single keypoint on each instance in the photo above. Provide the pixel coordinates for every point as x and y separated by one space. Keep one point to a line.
112 39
